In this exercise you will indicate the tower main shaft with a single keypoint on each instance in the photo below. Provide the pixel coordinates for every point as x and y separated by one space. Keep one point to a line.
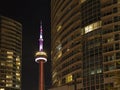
41 74
41 58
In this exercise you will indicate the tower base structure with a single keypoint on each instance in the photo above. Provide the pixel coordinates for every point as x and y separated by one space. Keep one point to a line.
41 58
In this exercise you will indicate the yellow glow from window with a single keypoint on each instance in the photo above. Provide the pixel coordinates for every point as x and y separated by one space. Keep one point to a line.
2 89
110 39
18 67
9 85
18 58
87 29
69 78
10 53
18 78
59 47
8 81
17 74
2 63
95 25
10 57
2 80
9 65
17 86
18 63
55 80
8 76
92 72
68 50
9 61
92 26
82 1
59 55
54 74
59 27
99 70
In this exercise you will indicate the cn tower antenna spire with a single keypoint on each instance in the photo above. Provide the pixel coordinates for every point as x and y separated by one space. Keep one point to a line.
41 38
41 27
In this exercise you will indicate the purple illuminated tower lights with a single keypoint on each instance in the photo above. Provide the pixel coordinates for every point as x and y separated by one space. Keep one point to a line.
41 38
41 58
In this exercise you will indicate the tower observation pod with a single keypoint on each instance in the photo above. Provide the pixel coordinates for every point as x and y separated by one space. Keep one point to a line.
41 58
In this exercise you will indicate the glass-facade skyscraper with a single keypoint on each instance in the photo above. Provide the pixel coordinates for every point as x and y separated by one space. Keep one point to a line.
85 44
10 54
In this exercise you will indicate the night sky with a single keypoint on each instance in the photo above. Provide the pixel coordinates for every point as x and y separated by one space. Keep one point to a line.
29 13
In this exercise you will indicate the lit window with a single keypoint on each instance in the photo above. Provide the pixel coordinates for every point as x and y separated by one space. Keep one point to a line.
18 78
54 74
18 63
96 25
17 74
92 27
59 27
8 81
68 50
9 60
2 63
18 67
9 65
2 89
99 70
59 47
10 57
55 80
82 1
9 85
92 72
86 29
59 55
110 39
17 86
8 76
69 78
2 80
18 58
10 53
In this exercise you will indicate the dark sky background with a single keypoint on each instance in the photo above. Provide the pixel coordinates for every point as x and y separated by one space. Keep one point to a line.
30 13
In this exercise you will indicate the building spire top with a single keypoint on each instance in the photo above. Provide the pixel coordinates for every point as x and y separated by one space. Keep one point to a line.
41 38
40 25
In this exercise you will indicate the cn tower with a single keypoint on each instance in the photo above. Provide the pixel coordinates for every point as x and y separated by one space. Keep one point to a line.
41 58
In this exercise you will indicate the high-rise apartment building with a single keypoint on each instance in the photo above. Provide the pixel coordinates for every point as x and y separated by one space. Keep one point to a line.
85 44
10 54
